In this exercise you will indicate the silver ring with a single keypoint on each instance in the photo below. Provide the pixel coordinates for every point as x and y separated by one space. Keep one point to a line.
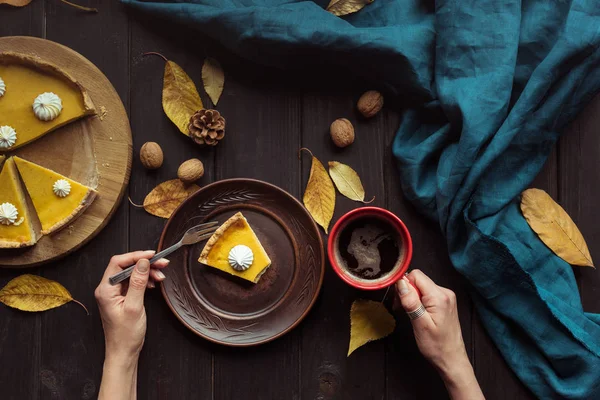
418 313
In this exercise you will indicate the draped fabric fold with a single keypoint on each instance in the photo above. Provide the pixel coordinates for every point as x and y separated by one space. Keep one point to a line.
494 82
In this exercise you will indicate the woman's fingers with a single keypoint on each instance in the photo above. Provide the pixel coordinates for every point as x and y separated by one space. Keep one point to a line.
118 262
134 299
162 263
410 301
156 275
426 286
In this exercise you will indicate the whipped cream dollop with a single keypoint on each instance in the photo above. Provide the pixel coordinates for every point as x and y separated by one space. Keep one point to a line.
241 257
8 214
8 137
61 188
2 87
47 106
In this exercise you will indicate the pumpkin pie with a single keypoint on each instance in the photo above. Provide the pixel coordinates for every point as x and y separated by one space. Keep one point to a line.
57 199
25 78
236 232
16 225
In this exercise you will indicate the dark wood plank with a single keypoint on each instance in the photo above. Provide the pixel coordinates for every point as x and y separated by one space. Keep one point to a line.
261 141
578 192
71 361
406 367
497 380
326 371
20 337
175 363
20 333
23 21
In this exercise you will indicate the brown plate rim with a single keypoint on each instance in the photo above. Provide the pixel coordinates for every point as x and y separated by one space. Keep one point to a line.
321 250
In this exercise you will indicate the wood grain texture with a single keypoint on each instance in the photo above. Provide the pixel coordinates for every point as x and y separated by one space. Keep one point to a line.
71 359
18 331
93 150
59 354
578 192
175 364
264 135
326 371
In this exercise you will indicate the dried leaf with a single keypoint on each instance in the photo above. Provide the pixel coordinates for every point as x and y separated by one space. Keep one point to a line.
369 320
555 228
167 196
347 181
345 7
180 98
15 3
34 293
319 196
213 79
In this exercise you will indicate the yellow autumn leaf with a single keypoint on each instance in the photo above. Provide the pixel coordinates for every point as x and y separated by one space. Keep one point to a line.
180 98
319 196
15 3
345 7
369 320
347 181
34 293
167 196
213 79
555 228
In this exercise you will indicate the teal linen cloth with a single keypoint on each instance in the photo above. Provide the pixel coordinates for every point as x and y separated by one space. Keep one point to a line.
493 82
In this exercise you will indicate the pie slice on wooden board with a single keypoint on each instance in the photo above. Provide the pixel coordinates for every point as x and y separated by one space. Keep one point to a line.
21 232
235 231
53 210
25 78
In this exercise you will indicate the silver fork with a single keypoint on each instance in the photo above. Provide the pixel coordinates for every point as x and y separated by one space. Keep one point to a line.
194 235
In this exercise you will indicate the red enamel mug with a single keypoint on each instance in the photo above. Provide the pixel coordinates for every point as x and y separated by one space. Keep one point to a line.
381 214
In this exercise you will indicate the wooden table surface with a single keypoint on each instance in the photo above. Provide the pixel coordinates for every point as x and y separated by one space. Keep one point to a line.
270 115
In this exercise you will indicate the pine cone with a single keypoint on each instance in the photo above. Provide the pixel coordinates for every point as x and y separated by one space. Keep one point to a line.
207 127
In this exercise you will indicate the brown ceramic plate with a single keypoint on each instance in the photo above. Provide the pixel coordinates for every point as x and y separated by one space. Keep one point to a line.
223 308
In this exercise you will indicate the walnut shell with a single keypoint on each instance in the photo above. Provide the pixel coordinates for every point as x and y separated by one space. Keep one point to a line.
191 170
370 103
151 155
342 132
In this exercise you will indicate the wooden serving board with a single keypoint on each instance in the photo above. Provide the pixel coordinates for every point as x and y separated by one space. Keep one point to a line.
96 151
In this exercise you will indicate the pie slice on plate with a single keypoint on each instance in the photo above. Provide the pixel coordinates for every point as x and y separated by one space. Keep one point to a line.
57 199
23 79
16 226
236 232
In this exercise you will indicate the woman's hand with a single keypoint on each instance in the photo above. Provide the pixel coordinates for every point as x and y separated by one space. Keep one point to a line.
438 333
124 321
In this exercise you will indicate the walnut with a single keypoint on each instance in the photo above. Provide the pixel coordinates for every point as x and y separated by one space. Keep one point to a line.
342 132
151 155
191 170
370 103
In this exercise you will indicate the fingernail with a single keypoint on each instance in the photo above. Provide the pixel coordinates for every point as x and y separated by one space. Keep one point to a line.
151 285
403 287
160 275
165 261
143 266
150 251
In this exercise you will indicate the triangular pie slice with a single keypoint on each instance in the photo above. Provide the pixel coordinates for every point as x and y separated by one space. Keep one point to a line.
235 231
26 77
53 211
21 232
